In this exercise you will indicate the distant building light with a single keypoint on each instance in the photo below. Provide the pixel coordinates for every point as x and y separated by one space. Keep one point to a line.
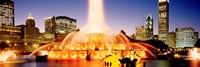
7 41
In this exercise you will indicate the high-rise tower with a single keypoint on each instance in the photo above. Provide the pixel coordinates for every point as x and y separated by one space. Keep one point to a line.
185 37
6 12
60 25
149 26
163 20
31 32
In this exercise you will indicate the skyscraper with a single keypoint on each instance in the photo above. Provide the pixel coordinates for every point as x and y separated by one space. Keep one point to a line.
10 34
141 33
196 36
31 32
60 25
6 12
163 20
171 39
50 25
185 37
149 26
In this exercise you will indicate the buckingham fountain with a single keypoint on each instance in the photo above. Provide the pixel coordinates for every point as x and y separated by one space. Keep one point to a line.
94 41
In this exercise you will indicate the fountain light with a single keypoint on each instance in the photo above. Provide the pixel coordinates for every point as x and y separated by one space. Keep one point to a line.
95 40
5 55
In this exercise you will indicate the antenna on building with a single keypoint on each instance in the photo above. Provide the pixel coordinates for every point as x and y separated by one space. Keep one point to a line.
30 16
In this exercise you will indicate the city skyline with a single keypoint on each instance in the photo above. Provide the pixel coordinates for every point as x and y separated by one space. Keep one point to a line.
120 14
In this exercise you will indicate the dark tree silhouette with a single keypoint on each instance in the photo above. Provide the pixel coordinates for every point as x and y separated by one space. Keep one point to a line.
197 44
3 45
157 44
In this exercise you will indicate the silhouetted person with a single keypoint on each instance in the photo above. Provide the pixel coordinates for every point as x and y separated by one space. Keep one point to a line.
127 61
107 63
88 56
144 64
133 63
122 62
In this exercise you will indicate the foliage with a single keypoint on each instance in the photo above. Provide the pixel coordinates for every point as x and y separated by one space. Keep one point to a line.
157 44
3 45
197 44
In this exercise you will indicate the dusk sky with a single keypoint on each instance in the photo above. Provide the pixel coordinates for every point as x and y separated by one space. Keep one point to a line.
119 14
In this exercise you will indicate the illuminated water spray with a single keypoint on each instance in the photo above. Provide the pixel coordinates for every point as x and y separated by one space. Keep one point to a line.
95 40
96 21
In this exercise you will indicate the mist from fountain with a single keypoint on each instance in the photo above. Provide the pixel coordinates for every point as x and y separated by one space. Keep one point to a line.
7 55
95 39
194 54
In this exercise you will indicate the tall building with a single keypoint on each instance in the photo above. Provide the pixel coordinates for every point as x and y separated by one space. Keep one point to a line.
60 25
31 32
50 25
6 12
10 34
196 36
149 26
141 33
22 29
145 33
163 20
171 39
46 38
185 37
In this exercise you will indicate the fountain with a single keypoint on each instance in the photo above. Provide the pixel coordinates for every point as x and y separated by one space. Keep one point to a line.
194 53
9 57
94 41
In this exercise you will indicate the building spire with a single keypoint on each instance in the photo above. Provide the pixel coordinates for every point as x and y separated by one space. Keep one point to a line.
149 16
30 16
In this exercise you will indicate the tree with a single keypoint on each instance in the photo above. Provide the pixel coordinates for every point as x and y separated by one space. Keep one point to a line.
197 44
3 45
157 44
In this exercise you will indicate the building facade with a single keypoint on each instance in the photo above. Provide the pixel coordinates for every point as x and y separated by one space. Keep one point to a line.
6 12
46 38
50 25
149 26
163 20
196 36
60 25
185 37
141 33
10 34
64 25
171 39
31 32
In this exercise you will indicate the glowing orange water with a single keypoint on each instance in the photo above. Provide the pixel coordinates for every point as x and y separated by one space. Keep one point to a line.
5 55
95 40
96 21
194 53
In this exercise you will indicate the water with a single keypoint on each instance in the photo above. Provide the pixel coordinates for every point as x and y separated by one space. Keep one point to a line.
56 64
172 63
149 63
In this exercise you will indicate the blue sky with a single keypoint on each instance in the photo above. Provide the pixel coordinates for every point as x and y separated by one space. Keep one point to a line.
120 14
